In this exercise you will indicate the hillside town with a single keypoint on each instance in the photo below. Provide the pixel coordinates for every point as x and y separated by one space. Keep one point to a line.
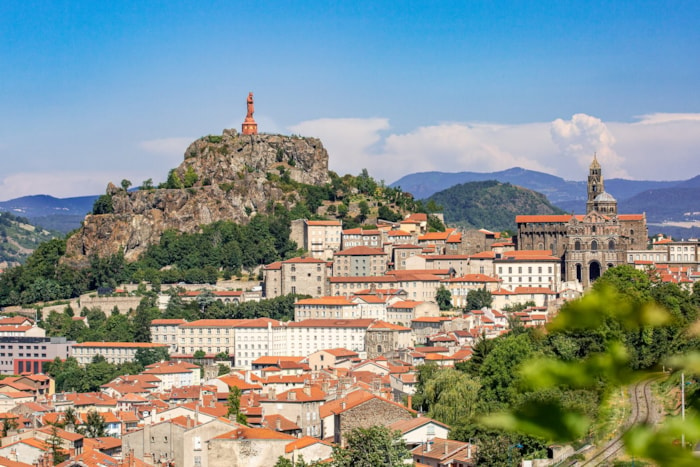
381 303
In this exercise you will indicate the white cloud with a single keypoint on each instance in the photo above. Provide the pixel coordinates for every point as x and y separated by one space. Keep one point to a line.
349 141
166 146
658 146
656 118
582 136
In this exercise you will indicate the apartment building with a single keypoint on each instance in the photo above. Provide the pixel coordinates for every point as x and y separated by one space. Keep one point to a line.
26 354
113 352
359 237
359 261
529 268
320 238
164 331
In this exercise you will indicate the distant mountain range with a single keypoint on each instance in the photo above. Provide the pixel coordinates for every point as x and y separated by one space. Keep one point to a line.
61 214
671 207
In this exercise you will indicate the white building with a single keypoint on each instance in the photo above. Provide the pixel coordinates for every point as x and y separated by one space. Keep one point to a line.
113 352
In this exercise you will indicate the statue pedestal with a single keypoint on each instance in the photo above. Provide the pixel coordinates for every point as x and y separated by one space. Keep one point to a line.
249 127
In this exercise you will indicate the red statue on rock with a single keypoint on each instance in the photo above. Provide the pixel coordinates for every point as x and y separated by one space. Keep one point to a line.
249 126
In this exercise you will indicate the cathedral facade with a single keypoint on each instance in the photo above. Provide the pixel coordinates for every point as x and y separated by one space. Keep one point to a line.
587 244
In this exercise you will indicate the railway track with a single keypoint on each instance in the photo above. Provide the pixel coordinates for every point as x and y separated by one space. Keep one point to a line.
641 412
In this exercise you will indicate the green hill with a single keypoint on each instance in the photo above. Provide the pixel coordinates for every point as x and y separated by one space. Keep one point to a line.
19 238
490 204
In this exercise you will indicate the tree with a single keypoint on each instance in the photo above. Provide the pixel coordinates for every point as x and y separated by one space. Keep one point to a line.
478 299
371 447
8 424
451 396
364 210
284 462
126 184
56 447
191 177
147 184
443 297
199 354
94 426
70 418
103 205
145 357
234 405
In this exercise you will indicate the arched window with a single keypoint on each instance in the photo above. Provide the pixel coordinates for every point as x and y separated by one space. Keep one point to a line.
593 228
611 245
631 232
577 245
594 245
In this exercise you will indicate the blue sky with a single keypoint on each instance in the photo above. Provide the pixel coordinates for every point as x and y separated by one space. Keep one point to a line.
92 92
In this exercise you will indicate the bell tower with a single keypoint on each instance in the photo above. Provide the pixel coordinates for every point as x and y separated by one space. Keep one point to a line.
596 185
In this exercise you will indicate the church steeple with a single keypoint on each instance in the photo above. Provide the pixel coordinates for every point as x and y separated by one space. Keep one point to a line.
596 185
598 199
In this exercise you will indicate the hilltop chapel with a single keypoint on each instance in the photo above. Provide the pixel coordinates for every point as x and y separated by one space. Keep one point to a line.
587 245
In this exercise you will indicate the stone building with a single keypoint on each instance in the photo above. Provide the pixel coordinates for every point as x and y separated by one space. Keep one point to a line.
359 261
587 244
304 276
383 337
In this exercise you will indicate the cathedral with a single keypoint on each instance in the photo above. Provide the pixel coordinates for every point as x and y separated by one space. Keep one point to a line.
587 244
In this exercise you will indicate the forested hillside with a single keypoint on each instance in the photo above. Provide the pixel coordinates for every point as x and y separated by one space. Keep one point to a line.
490 204
218 250
18 238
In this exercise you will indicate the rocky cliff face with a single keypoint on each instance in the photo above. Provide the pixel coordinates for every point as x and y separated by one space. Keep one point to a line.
228 177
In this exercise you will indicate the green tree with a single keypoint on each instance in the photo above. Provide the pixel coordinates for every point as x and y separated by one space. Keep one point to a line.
443 297
478 299
126 184
147 184
364 210
191 177
103 205
451 396
56 447
234 405
371 447
145 357
173 181
8 424
94 425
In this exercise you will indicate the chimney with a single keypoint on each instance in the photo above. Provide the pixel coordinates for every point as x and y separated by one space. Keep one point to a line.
428 446
271 393
291 395
409 401
469 451
342 405
307 389
278 423
196 414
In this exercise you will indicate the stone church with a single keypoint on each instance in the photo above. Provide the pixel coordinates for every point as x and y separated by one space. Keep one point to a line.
587 244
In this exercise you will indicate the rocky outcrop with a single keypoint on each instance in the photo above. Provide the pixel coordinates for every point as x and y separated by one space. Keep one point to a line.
228 177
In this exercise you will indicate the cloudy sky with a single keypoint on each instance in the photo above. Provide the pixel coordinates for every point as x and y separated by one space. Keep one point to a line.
92 92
